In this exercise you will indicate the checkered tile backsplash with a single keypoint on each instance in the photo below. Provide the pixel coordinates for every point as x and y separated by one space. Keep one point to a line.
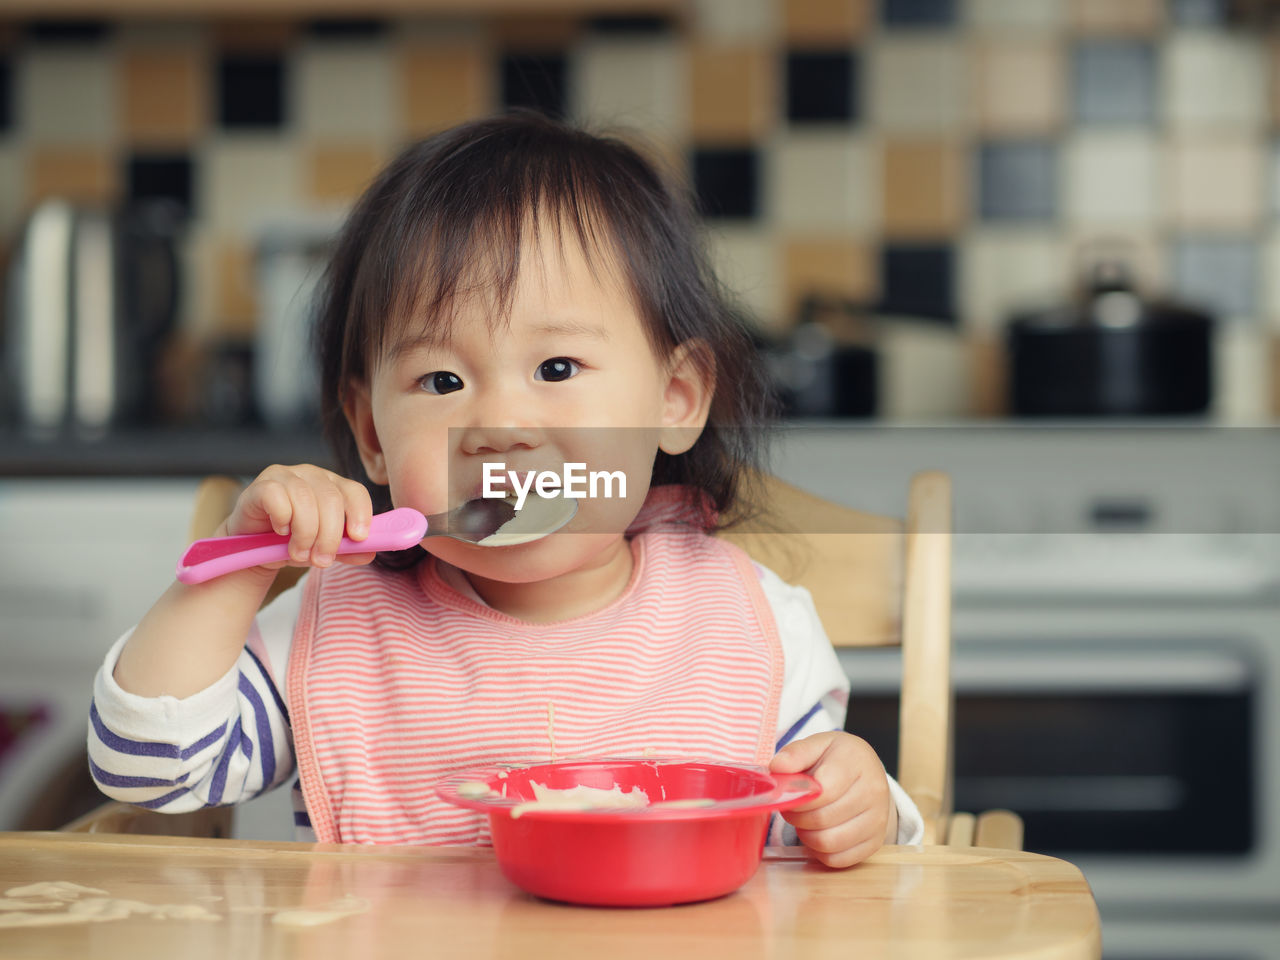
947 159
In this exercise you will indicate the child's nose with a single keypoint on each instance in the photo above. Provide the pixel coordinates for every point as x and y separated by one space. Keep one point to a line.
500 439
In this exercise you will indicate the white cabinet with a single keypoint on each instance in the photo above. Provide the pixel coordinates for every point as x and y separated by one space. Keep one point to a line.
80 562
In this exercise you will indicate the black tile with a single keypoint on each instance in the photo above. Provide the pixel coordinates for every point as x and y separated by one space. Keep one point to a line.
726 181
68 31
918 280
347 28
654 24
918 13
167 176
534 80
6 94
251 92
821 87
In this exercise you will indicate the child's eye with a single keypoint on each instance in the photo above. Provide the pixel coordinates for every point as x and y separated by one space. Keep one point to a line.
556 369
440 381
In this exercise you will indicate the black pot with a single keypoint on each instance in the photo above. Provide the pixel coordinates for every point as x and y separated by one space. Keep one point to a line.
1111 353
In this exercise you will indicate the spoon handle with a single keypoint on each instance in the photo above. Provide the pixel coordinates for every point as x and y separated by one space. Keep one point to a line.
205 559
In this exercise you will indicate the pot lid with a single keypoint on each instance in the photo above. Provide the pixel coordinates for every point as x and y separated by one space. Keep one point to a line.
1109 300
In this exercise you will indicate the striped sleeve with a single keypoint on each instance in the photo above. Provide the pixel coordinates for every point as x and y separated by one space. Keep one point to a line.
227 743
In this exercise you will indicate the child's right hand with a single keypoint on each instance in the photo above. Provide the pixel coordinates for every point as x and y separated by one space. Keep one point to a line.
314 506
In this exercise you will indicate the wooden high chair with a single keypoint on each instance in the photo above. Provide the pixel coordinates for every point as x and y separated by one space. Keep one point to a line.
879 581
876 581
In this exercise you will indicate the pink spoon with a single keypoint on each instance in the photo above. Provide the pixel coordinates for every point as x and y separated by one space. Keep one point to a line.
396 529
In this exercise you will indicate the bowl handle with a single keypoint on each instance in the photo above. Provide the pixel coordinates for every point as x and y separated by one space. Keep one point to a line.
796 788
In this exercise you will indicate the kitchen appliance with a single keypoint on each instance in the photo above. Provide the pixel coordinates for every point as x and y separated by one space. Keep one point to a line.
91 295
828 366
843 360
677 848
289 265
1116 654
1110 352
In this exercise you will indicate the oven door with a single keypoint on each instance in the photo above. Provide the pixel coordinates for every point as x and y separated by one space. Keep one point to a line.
1139 747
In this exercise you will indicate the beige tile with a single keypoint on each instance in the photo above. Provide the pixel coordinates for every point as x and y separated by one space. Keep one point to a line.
814 24
640 84
923 188
1019 86
165 97
236 306
1241 374
1008 269
734 93
924 372
823 180
918 84
736 21
82 174
346 92
1020 15
1112 178
442 86
340 173
833 266
1128 17
247 180
1216 182
1215 82
67 95
747 261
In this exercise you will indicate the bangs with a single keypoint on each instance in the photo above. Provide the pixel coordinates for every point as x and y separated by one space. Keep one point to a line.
465 223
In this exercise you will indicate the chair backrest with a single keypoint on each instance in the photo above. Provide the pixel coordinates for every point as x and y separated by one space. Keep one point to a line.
878 581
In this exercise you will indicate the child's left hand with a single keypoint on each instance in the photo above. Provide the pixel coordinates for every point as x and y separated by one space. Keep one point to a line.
855 814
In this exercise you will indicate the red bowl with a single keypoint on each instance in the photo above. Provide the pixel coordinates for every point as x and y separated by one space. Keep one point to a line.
646 856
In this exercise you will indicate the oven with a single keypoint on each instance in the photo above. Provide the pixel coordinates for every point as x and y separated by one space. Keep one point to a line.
1139 745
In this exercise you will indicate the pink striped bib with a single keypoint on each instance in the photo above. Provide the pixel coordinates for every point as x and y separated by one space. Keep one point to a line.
396 679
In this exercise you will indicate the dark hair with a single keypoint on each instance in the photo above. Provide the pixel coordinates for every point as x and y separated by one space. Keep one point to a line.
450 212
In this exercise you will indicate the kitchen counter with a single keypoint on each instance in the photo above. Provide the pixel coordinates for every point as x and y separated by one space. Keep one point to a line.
159 453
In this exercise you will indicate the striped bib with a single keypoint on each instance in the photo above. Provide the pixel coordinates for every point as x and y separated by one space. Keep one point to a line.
396 679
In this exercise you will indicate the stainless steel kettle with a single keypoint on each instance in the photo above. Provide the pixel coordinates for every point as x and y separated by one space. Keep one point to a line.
91 295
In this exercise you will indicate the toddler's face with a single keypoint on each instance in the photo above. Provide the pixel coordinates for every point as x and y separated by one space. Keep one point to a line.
570 379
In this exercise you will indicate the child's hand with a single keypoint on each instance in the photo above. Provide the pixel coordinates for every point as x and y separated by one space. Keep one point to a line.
855 814
313 505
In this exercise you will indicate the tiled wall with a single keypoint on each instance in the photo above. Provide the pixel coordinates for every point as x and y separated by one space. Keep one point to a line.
949 159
